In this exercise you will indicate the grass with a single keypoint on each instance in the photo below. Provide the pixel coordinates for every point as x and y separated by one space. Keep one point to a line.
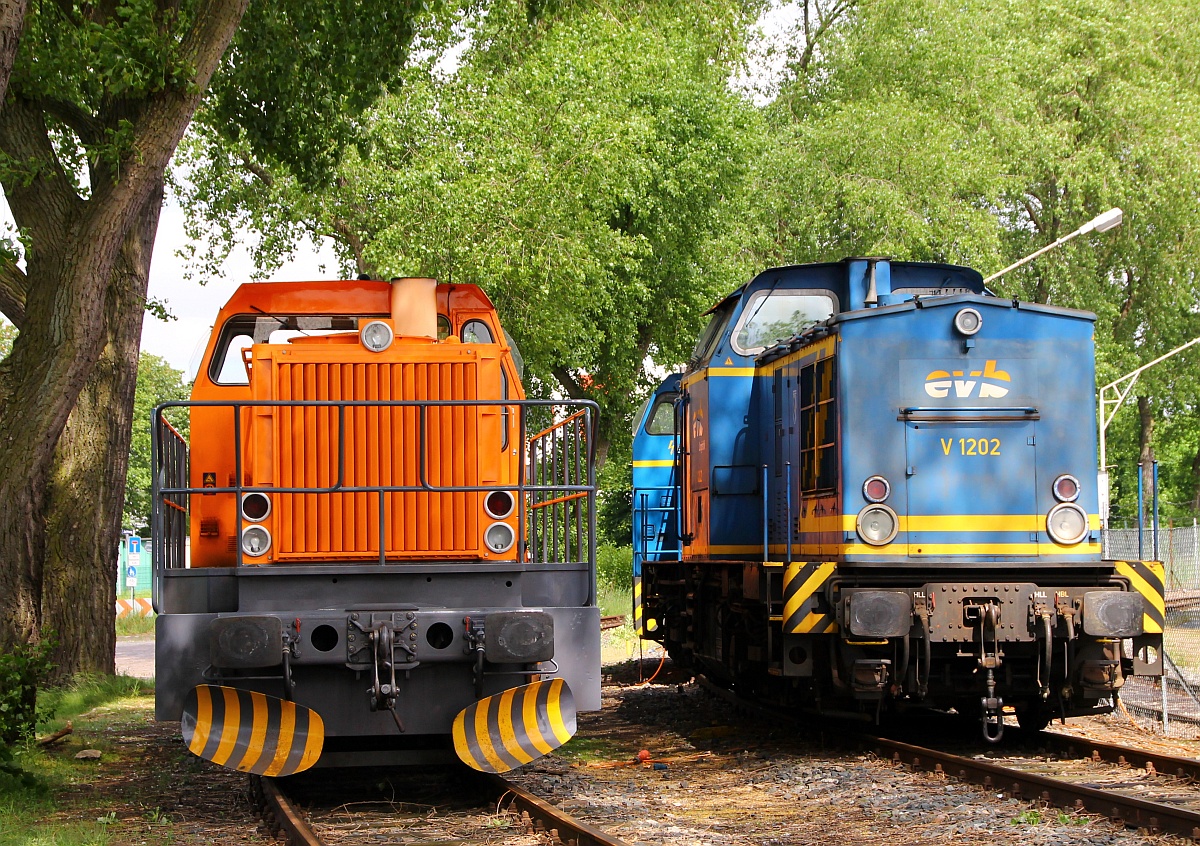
588 749
131 625
37 806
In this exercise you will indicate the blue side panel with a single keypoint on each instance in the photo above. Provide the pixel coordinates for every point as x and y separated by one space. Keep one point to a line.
735 502
655 484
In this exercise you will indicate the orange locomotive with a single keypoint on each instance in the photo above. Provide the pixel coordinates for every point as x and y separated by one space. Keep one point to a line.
373 538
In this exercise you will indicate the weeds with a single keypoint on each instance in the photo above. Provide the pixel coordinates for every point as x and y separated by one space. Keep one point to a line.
23 670
131 625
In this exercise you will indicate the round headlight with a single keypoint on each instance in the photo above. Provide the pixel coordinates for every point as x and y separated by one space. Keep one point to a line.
256 540
499 504
376 336
876 489
877 524
968 321
1067 523
1066 488
499 537
256 506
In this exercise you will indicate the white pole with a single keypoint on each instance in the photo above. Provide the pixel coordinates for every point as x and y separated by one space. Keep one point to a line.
1099 223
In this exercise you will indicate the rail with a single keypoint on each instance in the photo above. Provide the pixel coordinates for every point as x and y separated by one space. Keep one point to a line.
1023 784
532 814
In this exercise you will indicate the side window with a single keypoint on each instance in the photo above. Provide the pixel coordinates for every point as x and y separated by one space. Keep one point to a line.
233 369
476 332
444 328
818 423
712 333
772 316
662 419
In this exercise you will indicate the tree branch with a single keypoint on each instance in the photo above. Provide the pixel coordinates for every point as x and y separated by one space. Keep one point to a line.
263 175
569 383
14 284
86 126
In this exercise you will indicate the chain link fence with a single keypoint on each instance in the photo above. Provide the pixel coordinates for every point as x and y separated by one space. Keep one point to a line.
1174 701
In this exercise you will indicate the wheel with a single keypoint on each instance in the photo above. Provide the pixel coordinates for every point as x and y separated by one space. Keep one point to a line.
1034 719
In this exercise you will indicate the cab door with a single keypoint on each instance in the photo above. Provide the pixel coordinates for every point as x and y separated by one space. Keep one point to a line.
972 488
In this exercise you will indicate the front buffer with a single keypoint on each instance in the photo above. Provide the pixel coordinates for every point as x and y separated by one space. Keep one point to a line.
278 693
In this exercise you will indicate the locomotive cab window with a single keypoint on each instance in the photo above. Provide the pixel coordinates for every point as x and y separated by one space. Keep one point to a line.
772 316
713 332
244 330
818 422
662 419
476 332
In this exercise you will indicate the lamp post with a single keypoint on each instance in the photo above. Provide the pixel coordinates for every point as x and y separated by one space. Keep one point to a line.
1100 223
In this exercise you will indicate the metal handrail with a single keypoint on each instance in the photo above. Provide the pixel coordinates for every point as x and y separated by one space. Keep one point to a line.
579 484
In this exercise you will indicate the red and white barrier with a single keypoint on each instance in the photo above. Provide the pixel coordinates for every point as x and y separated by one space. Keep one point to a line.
134 608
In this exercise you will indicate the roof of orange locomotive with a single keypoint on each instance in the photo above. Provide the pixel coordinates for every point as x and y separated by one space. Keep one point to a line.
349 296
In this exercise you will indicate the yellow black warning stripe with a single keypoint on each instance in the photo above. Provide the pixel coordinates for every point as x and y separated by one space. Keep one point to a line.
504 731
1146 577
643 625
802 612
250 732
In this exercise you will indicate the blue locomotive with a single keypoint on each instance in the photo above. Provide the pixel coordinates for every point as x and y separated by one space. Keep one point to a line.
874 487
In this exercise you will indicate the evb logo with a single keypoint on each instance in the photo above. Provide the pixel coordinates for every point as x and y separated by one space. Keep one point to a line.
989 383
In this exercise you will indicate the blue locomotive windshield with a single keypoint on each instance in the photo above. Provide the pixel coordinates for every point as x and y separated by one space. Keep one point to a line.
772 316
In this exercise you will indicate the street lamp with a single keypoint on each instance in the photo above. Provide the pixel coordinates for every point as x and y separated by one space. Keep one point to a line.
1100 223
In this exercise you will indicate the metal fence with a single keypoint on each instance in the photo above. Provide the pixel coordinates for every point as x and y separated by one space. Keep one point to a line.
1173 702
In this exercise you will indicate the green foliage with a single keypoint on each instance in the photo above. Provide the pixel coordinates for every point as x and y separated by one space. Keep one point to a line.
1032 816
84 62
22 671
298 74
588 169
614 567
979 136
157 382
8 334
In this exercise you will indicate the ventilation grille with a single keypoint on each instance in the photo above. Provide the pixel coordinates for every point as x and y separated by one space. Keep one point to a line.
380 447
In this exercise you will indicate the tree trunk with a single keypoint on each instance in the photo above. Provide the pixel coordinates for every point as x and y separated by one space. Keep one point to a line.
75 249
88 487
12 23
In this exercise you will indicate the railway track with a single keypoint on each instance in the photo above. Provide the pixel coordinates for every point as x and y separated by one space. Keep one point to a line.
1135 787
1160 795
416 807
